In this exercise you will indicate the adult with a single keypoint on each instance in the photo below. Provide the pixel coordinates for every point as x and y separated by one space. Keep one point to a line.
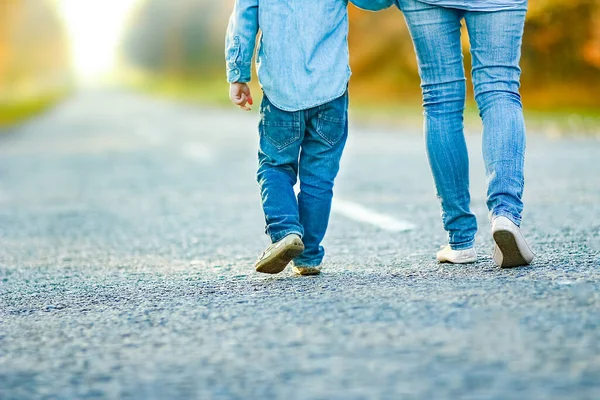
495 29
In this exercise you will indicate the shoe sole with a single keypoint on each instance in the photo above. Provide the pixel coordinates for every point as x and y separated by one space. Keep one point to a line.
306 271
447 261
457 262
511 254
278 261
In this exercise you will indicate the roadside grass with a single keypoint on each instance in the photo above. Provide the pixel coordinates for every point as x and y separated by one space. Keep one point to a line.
552 123
14 111
564 122
212 91
404 111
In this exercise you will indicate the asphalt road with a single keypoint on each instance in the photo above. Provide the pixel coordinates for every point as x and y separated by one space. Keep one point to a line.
128 230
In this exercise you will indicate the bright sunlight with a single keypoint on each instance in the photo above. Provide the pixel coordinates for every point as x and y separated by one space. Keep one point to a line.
95 28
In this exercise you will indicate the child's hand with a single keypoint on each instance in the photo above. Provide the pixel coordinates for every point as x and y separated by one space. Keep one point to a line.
239 93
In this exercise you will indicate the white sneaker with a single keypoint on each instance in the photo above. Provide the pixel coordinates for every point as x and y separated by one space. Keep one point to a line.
278 255
465 256
510 249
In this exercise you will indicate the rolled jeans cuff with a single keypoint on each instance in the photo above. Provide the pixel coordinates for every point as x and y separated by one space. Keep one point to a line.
463 246
276 237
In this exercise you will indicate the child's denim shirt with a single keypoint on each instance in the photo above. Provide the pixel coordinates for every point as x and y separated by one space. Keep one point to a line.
302 59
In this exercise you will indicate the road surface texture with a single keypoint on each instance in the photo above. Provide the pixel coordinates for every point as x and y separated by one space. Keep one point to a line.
129 227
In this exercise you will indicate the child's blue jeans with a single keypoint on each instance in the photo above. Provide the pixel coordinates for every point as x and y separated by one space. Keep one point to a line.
307 144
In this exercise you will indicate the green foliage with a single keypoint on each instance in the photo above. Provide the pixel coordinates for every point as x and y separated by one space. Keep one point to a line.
16 111
204 91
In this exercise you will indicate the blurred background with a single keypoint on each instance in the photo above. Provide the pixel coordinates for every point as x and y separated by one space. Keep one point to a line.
51 48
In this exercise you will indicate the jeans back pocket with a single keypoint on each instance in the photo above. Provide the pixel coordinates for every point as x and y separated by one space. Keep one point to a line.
331 120
280 128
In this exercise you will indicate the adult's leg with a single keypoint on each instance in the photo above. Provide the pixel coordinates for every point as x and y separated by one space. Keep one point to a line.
322 147
496 39
436 35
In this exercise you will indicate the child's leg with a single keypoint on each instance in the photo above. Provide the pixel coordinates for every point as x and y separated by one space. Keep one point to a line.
322 147
281 134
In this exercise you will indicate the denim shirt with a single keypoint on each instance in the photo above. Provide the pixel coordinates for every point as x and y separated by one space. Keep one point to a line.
302 59
479 5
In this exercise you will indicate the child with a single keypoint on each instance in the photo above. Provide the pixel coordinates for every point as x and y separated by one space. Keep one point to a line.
302 64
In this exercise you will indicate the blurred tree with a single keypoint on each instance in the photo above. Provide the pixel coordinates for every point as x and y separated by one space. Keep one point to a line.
559 39
561 54
182 38
34 55
561 49
592 47
381 56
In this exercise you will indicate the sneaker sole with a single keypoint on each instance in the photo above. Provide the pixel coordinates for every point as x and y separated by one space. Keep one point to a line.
306 271
278 261
447 261
456 262
511 255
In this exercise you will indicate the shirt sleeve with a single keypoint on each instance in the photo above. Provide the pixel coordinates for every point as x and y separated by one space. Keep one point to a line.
241 40
373 5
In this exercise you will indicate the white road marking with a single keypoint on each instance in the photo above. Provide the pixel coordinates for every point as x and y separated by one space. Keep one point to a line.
354 211
360 213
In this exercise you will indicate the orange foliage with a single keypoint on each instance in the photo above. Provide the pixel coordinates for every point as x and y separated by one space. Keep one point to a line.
561 54
592 47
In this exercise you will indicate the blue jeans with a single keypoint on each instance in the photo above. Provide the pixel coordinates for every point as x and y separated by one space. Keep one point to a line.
307 144
495 39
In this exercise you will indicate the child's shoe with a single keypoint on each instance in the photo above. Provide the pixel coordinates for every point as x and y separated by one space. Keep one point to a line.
278 255
447 255
305 270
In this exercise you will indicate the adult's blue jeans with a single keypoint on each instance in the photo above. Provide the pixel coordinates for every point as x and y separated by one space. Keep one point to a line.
308 145
495 39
